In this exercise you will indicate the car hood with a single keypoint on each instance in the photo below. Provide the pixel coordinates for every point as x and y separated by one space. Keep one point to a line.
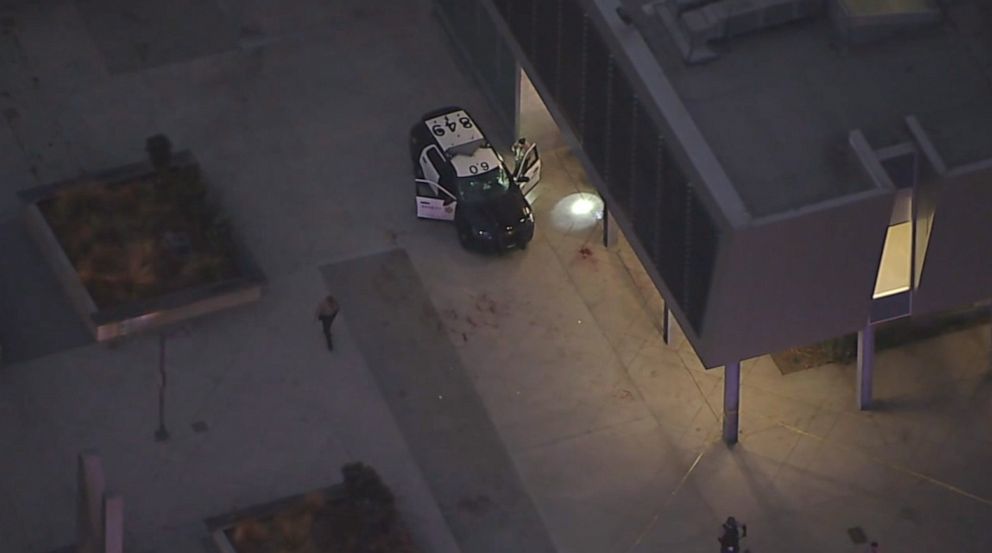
498 213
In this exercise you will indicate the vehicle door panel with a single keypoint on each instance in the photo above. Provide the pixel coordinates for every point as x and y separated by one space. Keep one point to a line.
434 205
430 171
529 166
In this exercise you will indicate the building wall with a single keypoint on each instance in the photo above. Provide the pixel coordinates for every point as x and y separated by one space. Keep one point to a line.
739 289
796 280
957 262
806 277
638 168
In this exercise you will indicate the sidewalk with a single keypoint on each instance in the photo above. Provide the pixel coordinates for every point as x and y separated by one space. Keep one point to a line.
617 436
283 416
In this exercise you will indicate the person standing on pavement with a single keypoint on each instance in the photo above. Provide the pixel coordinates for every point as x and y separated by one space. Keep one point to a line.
327 309
730 539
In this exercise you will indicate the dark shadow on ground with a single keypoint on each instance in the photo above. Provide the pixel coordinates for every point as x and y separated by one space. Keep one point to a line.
36 318
843 350
133 36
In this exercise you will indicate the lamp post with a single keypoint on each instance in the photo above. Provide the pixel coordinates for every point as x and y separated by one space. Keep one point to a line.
161 434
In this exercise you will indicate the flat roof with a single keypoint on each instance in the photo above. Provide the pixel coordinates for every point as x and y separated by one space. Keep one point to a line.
777 105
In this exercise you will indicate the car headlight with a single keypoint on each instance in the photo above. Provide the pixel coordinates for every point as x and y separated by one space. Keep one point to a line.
484 233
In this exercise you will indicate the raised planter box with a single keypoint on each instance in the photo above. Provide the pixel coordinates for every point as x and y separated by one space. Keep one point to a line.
222 528
326 520
145 314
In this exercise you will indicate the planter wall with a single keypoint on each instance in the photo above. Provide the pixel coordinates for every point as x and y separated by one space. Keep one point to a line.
219 527
143 315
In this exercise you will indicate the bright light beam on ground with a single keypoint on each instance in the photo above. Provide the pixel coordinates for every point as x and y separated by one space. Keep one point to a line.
577 211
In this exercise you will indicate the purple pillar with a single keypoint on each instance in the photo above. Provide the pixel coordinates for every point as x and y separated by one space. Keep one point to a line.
731 401
113 524
866 365
90 485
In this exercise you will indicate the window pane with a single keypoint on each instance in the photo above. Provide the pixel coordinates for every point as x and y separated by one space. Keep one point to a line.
546 52
643 181
569 89
594 96
895 269
521 20
701 256
621 121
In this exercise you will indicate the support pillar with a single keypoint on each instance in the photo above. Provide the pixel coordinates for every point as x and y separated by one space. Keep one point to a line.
610 229
866 365
666 325
113 524
90 486
731 401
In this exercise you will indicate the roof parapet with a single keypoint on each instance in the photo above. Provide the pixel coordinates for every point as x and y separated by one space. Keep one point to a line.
693 24
861 21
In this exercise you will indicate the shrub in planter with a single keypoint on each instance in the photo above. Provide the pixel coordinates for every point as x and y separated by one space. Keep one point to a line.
843 349
159 149
142 237
358 516
373 502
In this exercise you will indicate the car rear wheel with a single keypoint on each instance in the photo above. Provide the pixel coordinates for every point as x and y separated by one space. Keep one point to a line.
464 238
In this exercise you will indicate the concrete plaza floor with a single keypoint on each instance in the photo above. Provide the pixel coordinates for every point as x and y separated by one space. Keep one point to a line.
298 112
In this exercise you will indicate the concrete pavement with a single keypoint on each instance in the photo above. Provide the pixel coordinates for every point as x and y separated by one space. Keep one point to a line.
435 404
300 123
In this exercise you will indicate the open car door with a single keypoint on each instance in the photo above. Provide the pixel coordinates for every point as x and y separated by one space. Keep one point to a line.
528 167
438 205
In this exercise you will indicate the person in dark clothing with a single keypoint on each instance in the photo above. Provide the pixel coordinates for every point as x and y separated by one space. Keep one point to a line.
730 540
327 309
518 150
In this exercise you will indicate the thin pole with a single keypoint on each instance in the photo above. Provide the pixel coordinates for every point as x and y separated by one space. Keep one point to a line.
866 365
606 226
731 401
666 328
162 434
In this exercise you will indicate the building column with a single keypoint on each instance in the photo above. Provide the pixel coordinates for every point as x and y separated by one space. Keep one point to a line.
866 365
113 524
90 488
666 324
731 401
610 229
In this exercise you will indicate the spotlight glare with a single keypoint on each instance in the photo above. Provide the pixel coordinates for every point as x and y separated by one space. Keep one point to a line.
581 206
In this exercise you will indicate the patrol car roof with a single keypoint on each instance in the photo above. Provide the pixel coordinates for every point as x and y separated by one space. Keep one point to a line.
455 132
482 160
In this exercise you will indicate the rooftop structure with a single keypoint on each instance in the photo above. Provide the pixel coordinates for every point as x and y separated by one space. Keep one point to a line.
776 104
788 171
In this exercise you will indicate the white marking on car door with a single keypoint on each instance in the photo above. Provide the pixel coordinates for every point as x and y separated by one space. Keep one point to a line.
430 206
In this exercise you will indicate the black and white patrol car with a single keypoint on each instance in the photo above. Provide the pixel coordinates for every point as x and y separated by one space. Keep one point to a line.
460 177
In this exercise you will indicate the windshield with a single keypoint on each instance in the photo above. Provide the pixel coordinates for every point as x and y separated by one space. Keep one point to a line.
475 189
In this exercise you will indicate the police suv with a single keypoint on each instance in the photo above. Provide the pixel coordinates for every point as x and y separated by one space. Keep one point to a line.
460 177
